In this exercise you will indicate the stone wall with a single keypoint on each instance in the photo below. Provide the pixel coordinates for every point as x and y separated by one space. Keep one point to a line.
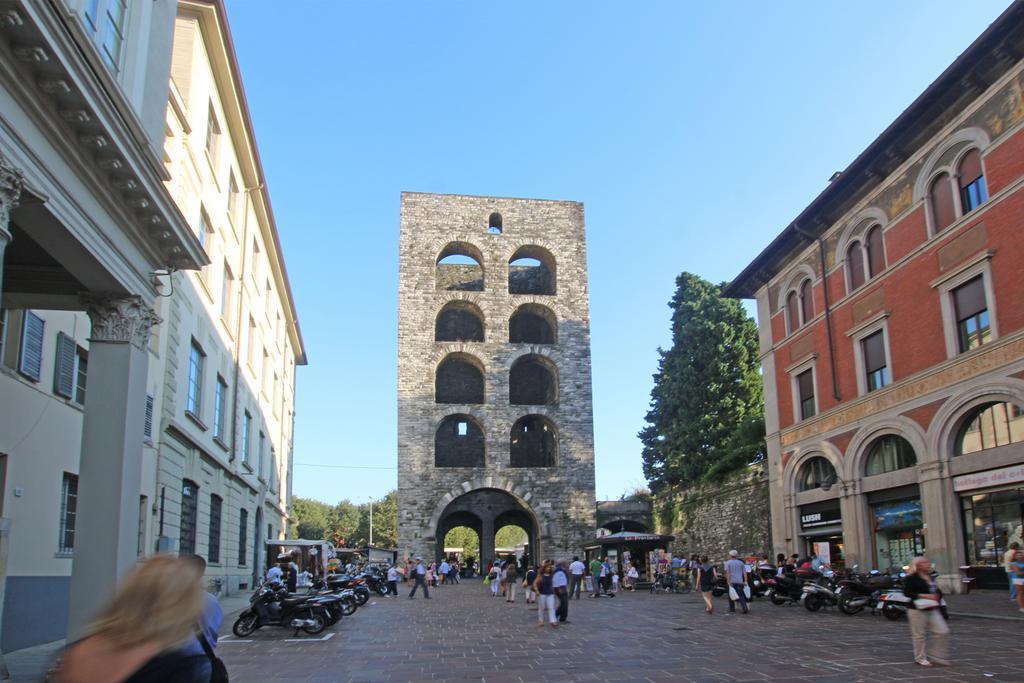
712 519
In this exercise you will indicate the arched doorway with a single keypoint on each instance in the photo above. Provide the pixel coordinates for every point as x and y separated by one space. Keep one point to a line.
486 511
616 525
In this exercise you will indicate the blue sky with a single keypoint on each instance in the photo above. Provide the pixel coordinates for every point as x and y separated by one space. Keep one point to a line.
692 132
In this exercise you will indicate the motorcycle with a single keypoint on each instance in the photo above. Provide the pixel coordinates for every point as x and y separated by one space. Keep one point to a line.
376 581
788 587
360 591
859 592
271 605
820 593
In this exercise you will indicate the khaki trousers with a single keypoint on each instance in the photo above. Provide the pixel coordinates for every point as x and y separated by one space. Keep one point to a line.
921 623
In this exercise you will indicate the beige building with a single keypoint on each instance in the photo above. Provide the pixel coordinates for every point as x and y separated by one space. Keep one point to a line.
125 207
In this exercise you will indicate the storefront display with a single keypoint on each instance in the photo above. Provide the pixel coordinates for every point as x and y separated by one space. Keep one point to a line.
898 533
821 526
992 521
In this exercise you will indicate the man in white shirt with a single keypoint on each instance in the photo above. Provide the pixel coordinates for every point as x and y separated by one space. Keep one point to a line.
444 569
560 584
577 569
393 580
274 574
419 574
736 577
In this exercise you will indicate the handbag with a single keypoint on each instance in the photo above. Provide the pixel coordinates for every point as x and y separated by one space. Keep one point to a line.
746 592
487 580
218 672
733 595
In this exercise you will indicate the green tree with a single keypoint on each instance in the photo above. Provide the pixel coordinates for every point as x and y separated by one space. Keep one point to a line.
465 538
509 537
707 399
312 519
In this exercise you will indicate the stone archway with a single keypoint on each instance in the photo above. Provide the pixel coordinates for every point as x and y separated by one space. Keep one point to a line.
485 511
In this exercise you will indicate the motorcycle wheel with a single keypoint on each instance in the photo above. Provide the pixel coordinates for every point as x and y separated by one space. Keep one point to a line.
891 613
246 624
846 608
319 623
361 598
779 600
813 603
348 607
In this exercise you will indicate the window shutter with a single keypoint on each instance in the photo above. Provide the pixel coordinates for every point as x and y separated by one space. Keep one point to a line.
64 366
147 429
855 261
876 251
969 299
805 380
31 362
874 352
970 168
942 202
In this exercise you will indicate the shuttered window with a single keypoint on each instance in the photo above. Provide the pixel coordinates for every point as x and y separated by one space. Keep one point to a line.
972 323
943 212
189 510
213 554
805 391
243 530
876 251
855 262
875 367
806 302
64 366
30 359
792 312
68 513
147 428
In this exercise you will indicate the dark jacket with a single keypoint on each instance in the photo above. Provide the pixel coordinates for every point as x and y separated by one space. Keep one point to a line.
914 586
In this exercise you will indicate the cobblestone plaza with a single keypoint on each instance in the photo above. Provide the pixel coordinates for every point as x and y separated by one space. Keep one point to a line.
462 634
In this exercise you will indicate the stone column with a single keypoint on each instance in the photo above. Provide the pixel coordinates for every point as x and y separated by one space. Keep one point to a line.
941 542
110 472
11 185
486 540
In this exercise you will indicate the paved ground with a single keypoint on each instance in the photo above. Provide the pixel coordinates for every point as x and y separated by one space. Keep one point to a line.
461 634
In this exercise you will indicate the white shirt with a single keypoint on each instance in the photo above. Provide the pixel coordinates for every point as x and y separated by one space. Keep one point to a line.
558 580
274 574
392 574
577 568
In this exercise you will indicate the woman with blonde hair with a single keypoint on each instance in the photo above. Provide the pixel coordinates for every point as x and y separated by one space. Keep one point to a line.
138 636
927 623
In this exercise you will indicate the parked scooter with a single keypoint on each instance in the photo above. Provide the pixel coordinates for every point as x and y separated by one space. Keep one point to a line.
821 592
859 592
358 586
785 588
271 605
376 581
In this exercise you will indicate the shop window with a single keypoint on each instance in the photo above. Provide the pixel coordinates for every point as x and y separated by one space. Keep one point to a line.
941 193
899 533
855 265
888 454
990 426
972 319
816 473
992 521
876 368
973 191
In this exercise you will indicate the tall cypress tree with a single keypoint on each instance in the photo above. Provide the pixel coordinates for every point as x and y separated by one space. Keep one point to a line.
707 405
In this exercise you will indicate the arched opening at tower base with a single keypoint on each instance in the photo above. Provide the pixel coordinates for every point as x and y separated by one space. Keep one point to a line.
485 511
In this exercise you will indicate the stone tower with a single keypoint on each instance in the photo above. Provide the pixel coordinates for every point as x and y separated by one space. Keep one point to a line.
495 418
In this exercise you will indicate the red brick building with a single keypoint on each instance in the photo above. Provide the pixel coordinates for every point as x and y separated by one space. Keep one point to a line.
891 315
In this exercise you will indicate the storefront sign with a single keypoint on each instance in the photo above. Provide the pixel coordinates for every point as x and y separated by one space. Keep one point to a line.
810 520
980 480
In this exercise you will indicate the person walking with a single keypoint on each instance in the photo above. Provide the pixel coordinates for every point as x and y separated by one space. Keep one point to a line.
393 581
926 616
632 576
531 576
445 569
453 572
736 577
209 624
576 570
138 637
1008 557
1017 578
419 574
560 584
495 575
511 577
542 585
706 582
595 576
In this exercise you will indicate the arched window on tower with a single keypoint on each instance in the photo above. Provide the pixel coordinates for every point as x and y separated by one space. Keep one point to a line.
494 224
459 442
533 442
459 268
531 270
459 379
533 324
459 321
532 381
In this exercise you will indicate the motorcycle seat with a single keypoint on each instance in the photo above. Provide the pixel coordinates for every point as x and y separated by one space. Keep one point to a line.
292 602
